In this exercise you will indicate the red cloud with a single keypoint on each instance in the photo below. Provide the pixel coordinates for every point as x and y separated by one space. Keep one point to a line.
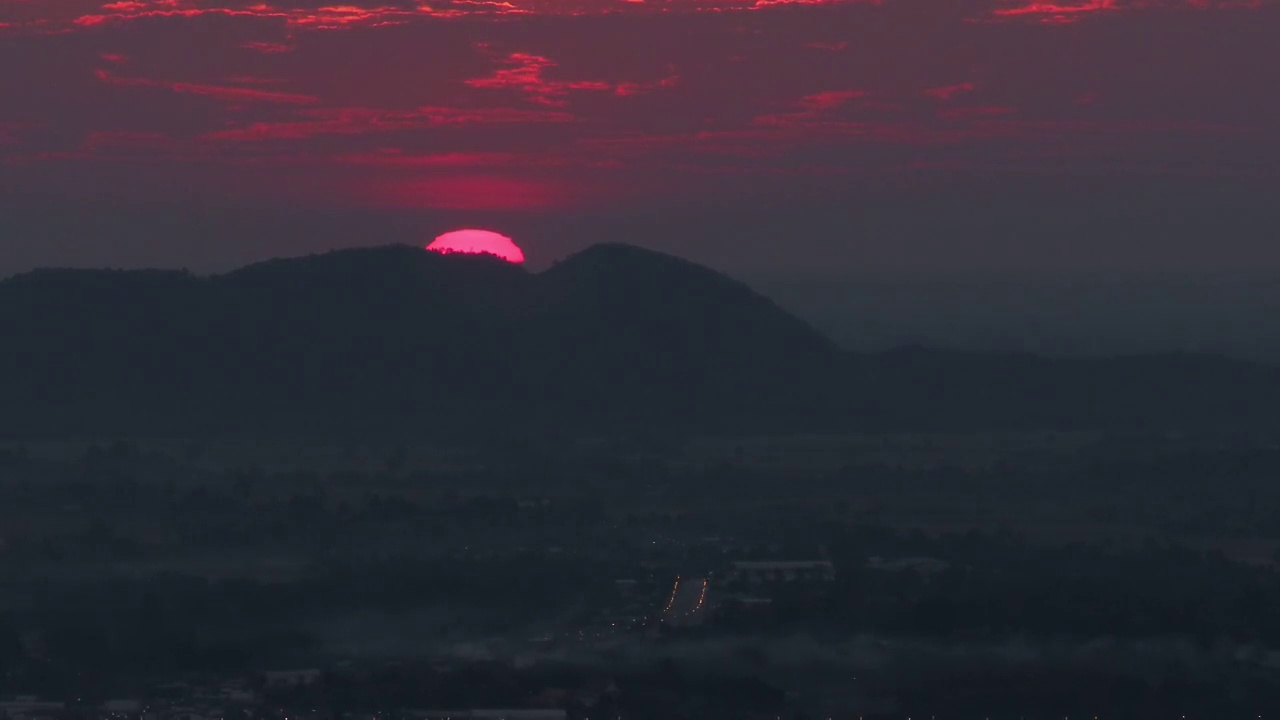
526 74
217 92
812 109
368 121
253 80
477 192
8 134
975 113
321 17
947 92
400 86
99 144
396 158
267 48
332 16
624 89
1048 12
760 4
51 16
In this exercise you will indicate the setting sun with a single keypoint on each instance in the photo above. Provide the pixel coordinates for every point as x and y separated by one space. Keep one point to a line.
478 242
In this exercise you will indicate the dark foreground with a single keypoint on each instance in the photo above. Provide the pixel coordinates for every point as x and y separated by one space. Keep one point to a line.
1037 575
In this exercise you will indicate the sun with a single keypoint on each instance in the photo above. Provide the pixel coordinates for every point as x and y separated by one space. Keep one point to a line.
478 242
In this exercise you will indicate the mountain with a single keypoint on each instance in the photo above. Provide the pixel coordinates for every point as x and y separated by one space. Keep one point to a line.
389 339
669 338
397 340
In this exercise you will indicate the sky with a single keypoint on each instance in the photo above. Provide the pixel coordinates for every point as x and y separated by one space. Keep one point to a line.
802 138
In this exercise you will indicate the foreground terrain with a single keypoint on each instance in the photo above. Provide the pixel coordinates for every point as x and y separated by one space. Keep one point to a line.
1016 575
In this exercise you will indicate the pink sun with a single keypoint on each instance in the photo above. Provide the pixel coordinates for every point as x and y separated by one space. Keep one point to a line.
478 242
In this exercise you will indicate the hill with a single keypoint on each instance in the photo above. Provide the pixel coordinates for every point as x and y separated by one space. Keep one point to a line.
671 341
394 339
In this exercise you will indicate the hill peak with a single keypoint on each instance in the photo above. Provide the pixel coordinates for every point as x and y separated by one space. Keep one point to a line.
615 255
374 259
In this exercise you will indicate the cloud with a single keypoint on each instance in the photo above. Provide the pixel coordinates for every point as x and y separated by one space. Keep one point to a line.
815 112
320 15
626 95
396 158
106 144
477 192
947 92
526 73
1048 12
225 93
9 133
267 48
370 121
975 112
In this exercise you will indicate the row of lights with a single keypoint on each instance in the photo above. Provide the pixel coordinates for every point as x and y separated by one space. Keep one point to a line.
672 600
702 597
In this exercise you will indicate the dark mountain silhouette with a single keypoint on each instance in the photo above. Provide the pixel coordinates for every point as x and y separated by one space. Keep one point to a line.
395 339
670 339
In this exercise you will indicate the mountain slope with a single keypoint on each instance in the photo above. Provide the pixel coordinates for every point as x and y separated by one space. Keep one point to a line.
361 339
662 336
394 339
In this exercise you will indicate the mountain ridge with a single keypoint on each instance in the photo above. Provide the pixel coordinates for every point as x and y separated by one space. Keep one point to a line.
393 338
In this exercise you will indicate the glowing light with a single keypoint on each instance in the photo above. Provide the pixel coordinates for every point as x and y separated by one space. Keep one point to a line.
675 590
478 242
702 596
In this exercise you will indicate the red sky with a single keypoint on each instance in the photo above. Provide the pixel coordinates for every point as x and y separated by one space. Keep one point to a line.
619 109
